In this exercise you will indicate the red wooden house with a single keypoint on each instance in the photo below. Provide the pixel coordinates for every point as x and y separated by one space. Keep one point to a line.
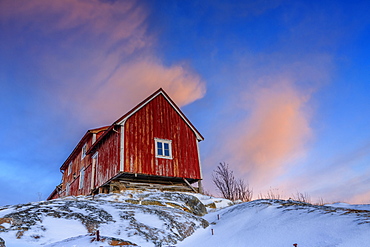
152 144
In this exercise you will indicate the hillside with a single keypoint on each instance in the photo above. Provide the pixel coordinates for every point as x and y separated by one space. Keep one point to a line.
279 223
151 218
148 218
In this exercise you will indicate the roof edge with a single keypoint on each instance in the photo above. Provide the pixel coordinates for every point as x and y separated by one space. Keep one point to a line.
122 119
81 142
172 103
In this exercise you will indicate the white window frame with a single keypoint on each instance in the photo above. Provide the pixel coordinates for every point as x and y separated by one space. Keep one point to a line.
83 151
68 188
82 178
95 156
69 168
94 163
163 156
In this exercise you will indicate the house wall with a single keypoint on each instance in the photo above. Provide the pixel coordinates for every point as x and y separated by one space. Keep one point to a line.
78 164
108 158
158 119
105 169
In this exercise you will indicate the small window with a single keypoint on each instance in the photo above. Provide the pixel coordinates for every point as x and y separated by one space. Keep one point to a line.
82 175
95 159
84 149
70 168
67 189
163 148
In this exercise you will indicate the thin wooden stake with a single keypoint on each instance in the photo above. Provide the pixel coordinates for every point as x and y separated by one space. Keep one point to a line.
212 231
97 235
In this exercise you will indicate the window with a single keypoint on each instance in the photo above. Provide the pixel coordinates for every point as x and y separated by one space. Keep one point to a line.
82 175
67 189
95 157
84 149
69 168
163 148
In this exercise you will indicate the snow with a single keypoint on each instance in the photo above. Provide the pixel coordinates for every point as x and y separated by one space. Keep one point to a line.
154 218
350 206
161 219
213 203
61 229
268 223
149 220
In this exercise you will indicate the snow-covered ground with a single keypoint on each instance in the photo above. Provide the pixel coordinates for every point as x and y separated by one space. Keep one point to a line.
278 223
143 218
152 218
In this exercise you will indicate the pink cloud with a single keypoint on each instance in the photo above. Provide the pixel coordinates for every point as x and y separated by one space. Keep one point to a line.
360 198
114 27
136 80
276 131
104 63
266 124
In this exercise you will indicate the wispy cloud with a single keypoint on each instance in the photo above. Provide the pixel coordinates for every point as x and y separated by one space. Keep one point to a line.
275 132
343 176
101 59
269 114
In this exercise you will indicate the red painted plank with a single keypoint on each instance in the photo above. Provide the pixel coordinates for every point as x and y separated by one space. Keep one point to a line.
158 119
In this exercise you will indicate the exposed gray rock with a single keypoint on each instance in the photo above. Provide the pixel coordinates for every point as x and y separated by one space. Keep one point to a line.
160 219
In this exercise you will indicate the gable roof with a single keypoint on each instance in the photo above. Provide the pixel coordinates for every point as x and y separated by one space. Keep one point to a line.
81 143
122 119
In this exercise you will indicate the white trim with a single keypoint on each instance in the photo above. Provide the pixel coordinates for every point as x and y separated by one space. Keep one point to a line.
82 178
169 142
69 169
83 151
93 138
169 101
68 189
95 161
200 164
122 147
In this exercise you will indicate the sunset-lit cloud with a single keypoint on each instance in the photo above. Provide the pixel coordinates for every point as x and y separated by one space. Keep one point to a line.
136 80
275 132
105 22
102 61
320 178
269 116
278 89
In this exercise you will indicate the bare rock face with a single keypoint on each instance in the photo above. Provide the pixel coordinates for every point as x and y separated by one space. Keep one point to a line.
2 242
157 218
182 201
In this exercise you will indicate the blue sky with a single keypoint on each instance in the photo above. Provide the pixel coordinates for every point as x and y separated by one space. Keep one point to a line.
279 89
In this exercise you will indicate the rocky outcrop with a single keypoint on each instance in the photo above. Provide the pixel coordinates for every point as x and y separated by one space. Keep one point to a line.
160 218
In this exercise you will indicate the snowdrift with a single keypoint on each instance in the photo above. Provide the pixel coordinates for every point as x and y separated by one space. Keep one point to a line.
152 218
279 223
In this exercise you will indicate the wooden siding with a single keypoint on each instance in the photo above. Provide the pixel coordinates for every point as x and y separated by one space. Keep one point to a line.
154 118
73 179
108 158
158 119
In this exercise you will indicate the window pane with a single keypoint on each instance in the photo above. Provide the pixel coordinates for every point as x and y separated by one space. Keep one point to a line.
166 149
159 148
82 175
